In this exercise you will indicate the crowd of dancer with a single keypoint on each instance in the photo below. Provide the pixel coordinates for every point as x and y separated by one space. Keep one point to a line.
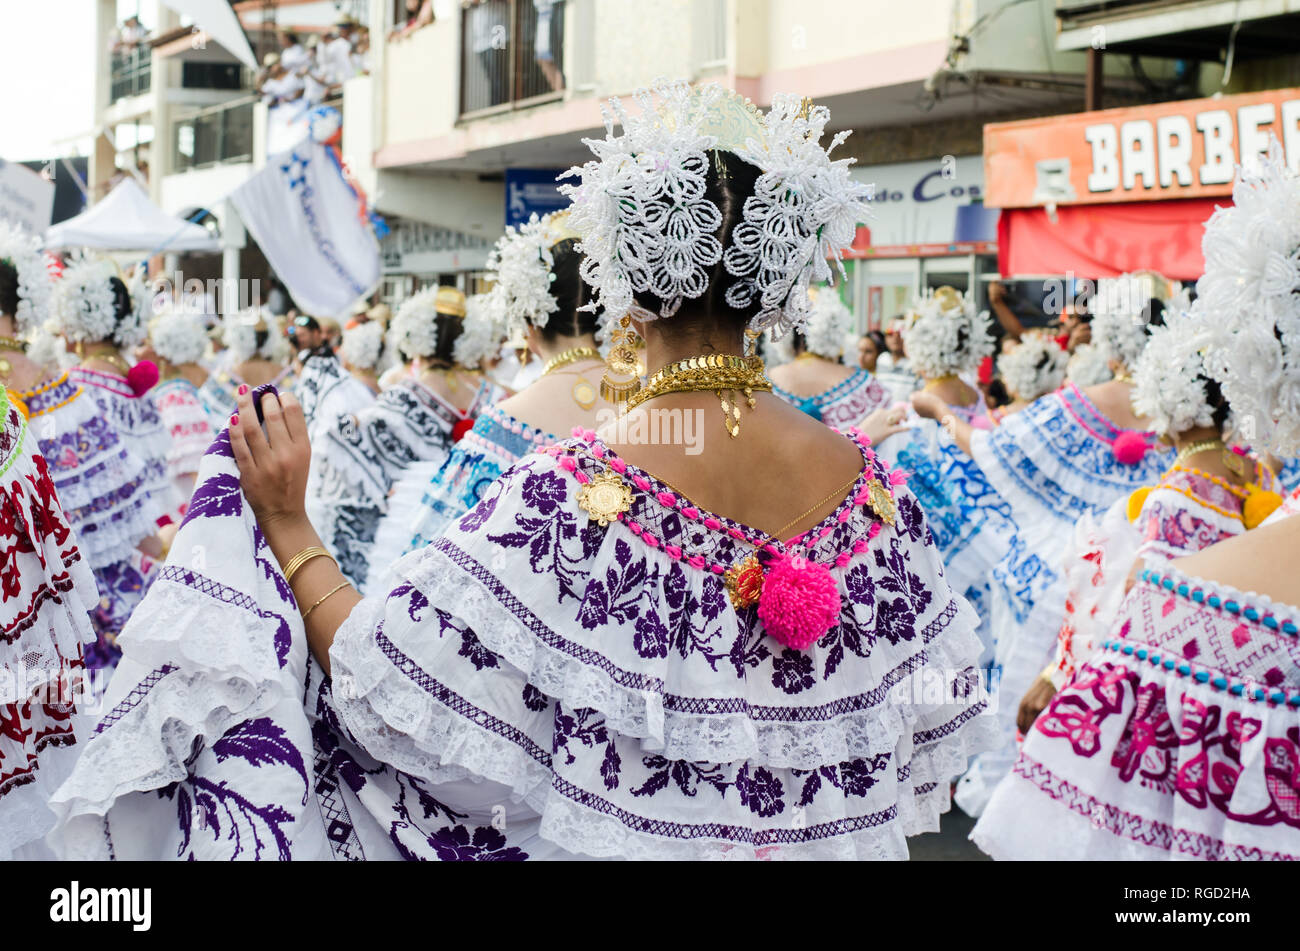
642 554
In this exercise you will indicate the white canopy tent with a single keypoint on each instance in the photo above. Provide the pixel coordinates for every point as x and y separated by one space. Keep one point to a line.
126 220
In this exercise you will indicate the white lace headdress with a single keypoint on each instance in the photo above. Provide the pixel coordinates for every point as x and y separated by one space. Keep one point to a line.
414 331
240 336
35 283
362 345
1088 366
522 265
1169 379
46 348
483 329
1119 322
178 335
1034 368
1249 303
945 336
828 324
86 306
649 228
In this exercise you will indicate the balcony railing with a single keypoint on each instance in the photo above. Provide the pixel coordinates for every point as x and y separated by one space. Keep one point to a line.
130 72
221 134
512 53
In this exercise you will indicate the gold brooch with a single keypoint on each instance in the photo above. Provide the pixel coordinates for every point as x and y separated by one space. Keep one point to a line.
744 582
605 497
882 503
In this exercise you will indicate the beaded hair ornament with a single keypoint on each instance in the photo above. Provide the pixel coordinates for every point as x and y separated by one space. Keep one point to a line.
648 227
945 335
362 345
1088 366
1170 376
85 305
483 330
1249 303
828 324
35 282
178 335
521 265
1119 325
240 337
1035 367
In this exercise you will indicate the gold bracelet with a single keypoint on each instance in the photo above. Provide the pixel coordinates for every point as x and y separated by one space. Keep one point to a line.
333 590
307 554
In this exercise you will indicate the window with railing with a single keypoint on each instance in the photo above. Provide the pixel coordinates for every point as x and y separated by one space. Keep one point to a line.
512 52
221 134
130 72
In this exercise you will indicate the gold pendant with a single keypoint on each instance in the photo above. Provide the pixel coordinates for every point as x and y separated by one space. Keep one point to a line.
1234 463
882 503
584 394
744 582
605 497
5 367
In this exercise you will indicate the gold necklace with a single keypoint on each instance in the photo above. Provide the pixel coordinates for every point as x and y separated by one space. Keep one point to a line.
1123 376
1197 447
9 343
722 373
570 356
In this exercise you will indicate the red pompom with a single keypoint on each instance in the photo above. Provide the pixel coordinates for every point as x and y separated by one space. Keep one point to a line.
461 428
1129 448
800 601
142 377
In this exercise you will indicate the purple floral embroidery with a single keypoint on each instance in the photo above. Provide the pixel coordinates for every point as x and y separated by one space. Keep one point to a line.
895 621
545 492
686 776
416 601
485 844
610 766
534 699
857 776
793 671
261 742
761 793
478 516
584 725
218 496
472 648
651 637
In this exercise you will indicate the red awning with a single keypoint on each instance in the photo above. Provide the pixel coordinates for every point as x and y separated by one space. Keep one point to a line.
1106 240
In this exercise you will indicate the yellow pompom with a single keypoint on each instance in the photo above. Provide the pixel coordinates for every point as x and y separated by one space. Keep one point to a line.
1136 501
1260 504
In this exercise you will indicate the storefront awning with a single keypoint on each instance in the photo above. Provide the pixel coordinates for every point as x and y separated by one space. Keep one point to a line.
1106 240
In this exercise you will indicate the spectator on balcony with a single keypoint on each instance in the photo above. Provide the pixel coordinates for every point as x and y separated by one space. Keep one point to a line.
418 13
293 55
489 37
548 41
280 85
130 35
336 58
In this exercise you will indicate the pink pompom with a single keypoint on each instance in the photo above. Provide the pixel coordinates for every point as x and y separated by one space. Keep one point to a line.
142 377
1129 448
897 477
800 601
568 463
618 465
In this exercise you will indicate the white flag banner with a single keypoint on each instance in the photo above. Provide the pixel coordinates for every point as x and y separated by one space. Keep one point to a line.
25 197
312 229
286 125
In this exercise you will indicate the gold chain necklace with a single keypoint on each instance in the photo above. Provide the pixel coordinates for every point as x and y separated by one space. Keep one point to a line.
570 356
724 374
1203 446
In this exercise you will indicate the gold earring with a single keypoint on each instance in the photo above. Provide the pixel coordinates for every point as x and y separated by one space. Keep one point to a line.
622 361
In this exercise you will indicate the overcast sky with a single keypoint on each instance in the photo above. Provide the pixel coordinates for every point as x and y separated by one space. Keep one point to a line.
47 74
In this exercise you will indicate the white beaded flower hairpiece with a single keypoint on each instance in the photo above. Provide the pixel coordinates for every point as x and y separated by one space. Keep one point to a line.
777 351
46 348
1249 303
649 228
178 335
84 302
945 336
240 336
1169 379
828 325
1088 366
35 282
362 345
483 329
1119 322
522 265
1034 368
414 331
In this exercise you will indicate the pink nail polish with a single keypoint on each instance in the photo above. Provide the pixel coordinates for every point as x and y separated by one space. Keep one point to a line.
243 388
234 420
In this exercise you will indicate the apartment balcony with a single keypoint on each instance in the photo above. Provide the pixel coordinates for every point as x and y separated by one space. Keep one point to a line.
512 54
1185 29
212 136
130 72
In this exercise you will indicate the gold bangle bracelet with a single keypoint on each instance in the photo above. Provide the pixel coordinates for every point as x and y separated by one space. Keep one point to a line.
321 600
1047 673
307 554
